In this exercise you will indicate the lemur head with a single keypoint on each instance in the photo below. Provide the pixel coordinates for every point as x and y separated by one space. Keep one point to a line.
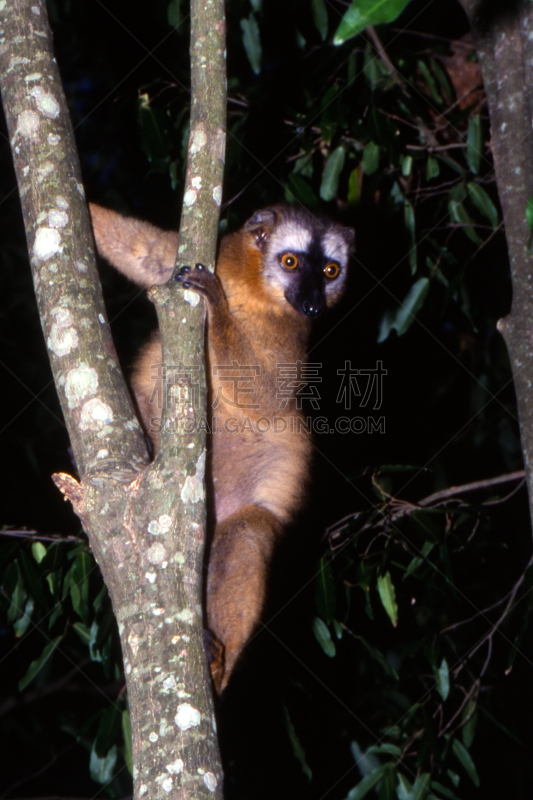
304 256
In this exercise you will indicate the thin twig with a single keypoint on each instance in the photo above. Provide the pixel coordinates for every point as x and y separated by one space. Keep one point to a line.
471 487
51 537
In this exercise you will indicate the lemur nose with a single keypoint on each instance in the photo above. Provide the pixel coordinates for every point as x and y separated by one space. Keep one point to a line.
313 308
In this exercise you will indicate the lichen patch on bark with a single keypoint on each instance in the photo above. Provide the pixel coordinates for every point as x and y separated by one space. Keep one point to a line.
47 244
187 717
95 415
81 382
63 336
193 488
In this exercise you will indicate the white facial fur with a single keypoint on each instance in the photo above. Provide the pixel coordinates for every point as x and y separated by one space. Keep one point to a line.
294 233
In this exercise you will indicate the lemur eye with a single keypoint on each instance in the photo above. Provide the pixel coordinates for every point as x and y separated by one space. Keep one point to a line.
331 270
289 261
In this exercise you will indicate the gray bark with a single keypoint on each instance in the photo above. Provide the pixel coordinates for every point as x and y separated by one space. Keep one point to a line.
146 522
502 34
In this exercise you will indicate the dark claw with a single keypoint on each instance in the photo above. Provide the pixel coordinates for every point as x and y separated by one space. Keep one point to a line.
183 271
186 285
200 266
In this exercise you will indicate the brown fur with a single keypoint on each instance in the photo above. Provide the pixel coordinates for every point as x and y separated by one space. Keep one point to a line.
259 477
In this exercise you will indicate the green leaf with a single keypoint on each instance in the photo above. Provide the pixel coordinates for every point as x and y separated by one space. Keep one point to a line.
325 590
252 42
474 143
304 166
297 749
483 203
374 69
454 777
332 171
430 83
18 595
174 173
389 749
417 561
370 160
298 190
529 212
469 726
409 219
443 790
38 551
33 580
417 791
387 787
101 601
57 611
21 625
363 13
432 168
94 650
387 595
407 165
365 761
413 565
368 604
442 676
459 214
126 733
320 17
402 319
83 632
174 15
354 186
421 787
102 768
404 788
442 78
77 579
323 637
465 758
108 728
37 665
368 783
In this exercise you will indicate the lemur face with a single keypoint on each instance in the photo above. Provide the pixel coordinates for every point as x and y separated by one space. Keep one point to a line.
305 256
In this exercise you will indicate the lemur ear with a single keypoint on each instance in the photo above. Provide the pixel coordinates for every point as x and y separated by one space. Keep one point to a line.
261 225
349 235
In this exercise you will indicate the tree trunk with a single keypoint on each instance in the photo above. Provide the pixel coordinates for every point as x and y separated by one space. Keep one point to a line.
146 522
503 37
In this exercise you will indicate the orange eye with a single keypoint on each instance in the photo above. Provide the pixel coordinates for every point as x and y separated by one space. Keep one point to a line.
331 270
289 261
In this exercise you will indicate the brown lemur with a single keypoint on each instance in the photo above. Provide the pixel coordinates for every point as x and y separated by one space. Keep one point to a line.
273 276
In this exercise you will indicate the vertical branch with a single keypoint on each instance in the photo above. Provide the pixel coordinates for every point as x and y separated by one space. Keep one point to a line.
180 314
502 36
174 484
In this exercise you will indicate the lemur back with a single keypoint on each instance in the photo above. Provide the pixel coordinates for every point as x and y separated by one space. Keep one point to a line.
281 269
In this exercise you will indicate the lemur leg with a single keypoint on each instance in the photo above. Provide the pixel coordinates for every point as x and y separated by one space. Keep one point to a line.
238 562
